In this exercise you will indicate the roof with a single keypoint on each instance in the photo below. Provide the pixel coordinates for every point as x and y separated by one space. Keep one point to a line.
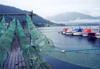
78 29
86 30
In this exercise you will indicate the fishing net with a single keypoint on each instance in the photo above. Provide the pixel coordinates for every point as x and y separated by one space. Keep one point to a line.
42 45
86 58
38 39
2 26
5 42
32 58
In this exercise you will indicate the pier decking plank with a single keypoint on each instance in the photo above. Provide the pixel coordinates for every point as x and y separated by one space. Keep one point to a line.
9 62
15 59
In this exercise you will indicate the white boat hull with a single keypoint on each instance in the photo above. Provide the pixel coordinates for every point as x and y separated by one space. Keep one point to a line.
84 34
69 33
77 33
63 32
97 35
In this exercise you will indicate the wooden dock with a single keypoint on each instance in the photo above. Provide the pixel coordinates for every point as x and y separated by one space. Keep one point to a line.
15 59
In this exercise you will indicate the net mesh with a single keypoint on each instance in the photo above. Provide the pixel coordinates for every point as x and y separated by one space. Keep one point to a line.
5 42
86 58
42 45
2 26
31 56
38 39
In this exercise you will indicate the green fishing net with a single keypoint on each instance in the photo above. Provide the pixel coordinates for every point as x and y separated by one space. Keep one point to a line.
86 58
32 58
2 26
5 42
42 45
38 39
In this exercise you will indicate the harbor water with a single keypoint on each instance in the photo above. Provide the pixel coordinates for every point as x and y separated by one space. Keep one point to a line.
68 42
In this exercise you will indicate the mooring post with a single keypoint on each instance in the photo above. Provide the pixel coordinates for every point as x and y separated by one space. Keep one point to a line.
31 14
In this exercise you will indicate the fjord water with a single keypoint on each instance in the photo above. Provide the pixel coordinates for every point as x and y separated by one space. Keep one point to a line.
68 42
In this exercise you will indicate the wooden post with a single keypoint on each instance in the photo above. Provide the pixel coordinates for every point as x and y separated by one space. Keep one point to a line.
31 14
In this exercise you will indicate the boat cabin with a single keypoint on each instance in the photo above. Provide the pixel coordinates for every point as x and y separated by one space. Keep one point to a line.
86 30
95 33
64 30
78 29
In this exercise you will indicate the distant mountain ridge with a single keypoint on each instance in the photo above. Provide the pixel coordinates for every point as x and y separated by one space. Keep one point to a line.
98 16
68 16
36 19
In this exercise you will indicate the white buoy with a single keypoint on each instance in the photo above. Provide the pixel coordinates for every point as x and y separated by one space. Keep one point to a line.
62 51
40 50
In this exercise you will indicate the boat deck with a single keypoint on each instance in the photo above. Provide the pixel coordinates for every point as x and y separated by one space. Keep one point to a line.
15 59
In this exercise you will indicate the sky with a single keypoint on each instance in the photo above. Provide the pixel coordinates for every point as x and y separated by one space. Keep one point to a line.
46 8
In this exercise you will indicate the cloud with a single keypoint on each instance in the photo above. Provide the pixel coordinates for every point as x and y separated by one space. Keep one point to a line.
46 8
85 21
81 21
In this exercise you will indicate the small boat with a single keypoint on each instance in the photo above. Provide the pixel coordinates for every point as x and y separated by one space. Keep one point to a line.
95 33
64 30
69 31
85 32
78 31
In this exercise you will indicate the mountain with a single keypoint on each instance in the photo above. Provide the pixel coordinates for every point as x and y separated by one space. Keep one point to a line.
98 17
69 16
37 20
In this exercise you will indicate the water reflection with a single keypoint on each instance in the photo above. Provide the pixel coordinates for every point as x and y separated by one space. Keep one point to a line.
69 42
65 41
86 42
94 42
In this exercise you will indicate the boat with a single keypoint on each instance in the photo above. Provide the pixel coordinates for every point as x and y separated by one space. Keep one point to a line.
64 30
69 31
85 32
95 33
77 31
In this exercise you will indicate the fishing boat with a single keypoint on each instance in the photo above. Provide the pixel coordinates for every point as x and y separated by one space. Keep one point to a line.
69 31
77 31
64 30
85 32
95 33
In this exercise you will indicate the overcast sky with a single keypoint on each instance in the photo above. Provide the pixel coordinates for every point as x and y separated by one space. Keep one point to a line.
47 8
